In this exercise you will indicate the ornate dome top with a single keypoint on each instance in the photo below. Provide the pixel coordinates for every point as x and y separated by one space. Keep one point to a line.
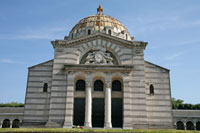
99 23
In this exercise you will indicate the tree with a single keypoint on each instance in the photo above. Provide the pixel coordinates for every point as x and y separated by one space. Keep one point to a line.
179 104
12 104
176 103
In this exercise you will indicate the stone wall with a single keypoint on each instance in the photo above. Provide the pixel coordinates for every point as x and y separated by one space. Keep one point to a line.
36 108
11 114
159 112
185 117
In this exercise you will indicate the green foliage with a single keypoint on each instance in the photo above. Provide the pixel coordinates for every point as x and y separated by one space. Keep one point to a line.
12 104
179 104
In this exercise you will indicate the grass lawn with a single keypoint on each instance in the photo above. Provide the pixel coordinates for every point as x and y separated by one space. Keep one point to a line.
51 130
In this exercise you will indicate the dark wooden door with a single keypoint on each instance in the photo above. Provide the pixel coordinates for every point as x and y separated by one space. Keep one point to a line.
98 112
79 111
117 116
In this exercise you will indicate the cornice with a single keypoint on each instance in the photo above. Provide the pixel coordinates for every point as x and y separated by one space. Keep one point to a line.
94 67
116 40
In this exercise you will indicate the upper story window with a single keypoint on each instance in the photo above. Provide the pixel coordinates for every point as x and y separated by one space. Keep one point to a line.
98 85
151 89
116 85
109 32
45 87
80 85
89 32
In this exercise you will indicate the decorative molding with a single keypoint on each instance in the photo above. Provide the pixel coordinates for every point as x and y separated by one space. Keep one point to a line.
99 56
108 84
66 43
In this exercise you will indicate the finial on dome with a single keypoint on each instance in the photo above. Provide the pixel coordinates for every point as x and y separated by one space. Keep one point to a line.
100 10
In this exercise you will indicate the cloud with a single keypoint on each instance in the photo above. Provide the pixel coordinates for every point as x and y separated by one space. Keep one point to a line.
174 56
10 61
172 65
45 33
190 42
159 21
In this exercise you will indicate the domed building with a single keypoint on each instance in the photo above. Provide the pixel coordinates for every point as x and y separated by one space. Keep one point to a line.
98 79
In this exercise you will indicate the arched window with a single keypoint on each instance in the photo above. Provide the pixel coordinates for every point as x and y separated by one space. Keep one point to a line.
116 85
15 123
109 32
89 32
6 123
126 37
151 89
179 125
80 85
45 87
198 125
98 85
189 125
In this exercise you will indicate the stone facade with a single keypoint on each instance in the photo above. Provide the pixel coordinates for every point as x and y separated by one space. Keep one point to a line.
140 108
98 53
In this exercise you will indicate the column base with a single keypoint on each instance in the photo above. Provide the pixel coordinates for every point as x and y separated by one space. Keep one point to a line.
87 125
67 125
107 125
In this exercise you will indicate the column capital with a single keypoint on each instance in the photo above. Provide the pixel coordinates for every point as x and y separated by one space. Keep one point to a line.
108 84
88 83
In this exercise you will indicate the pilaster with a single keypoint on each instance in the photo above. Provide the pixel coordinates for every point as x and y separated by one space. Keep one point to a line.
69 101
127 103
137 88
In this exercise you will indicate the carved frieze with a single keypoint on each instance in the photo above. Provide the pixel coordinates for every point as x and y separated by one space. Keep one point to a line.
99 56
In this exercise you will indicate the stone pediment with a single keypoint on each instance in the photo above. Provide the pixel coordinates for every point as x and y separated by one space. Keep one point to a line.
113 39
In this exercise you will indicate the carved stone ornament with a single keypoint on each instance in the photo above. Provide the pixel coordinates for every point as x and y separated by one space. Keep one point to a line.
108 84
89 83
99 56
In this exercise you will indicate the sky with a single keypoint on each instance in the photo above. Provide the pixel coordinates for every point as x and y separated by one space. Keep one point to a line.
171 28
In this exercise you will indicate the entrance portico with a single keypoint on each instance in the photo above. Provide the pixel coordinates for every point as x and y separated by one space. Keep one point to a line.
98 93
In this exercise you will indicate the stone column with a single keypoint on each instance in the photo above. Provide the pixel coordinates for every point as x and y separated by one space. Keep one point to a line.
194 125
185 126
88 105
11 122
107 123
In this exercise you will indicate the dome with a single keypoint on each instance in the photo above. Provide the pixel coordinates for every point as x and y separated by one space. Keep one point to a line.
99 23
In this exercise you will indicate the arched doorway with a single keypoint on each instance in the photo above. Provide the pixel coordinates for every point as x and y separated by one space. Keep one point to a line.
79 105
117 111
98 112
198 125
179 125
189 125
79 112
6 123
15 123
98 106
